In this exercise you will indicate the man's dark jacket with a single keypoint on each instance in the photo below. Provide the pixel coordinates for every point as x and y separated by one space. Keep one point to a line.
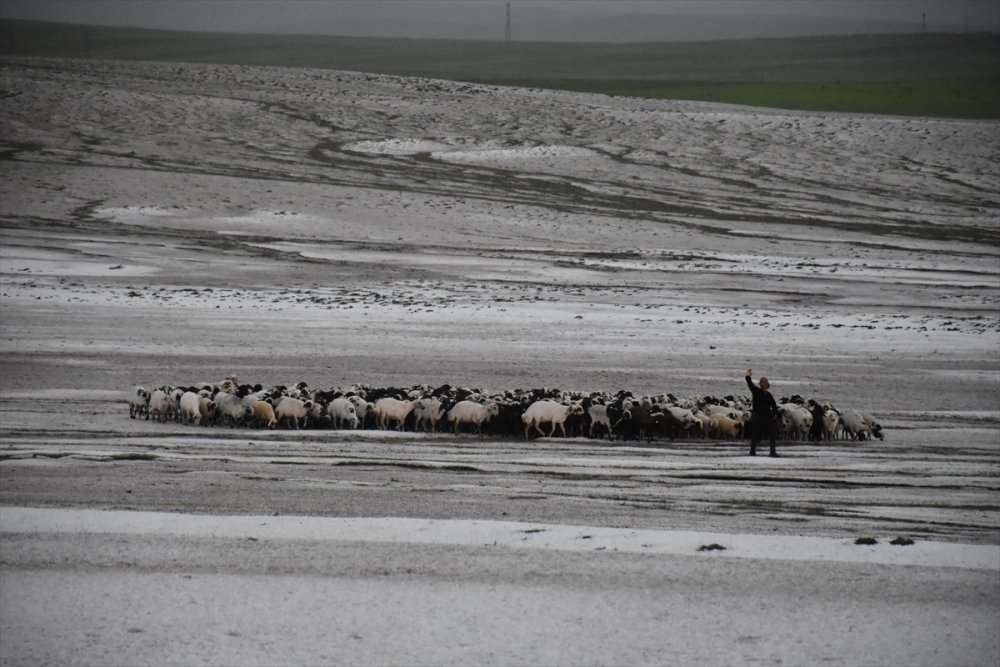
764 406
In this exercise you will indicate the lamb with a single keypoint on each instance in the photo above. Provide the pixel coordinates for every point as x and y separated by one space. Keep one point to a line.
138 403
388 410
470 412
292 409
541 412
263 414
342 412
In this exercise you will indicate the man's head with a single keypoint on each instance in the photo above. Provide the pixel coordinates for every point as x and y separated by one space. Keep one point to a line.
764 384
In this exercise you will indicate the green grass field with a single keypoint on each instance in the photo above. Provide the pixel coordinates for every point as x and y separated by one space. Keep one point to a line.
941 75
958 100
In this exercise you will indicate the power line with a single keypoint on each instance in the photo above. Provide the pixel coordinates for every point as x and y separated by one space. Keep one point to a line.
506 34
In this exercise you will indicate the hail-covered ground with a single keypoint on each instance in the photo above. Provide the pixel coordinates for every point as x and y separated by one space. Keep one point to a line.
174 223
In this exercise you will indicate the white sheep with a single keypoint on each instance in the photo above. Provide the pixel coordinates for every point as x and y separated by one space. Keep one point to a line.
831 424
855 426
230 408
161 404
712 409
685 418
470 412
342 413
427 413
190 407
599 417
292 409
548 412
362 407
388 410
797 420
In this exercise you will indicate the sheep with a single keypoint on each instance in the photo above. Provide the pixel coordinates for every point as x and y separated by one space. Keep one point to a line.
231 381
263 414
541 412
873 426
712 409
138 403
231 409
363 409
190 407
642 422
161 404
207 407
797 420
342 412
506 413
855 426
705 422
388 410
428 412
317 414
507 420
684 421
599 417
724 426
292 409
470 412
831 423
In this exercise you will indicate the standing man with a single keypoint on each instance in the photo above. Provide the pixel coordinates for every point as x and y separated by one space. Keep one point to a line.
818 414
764 418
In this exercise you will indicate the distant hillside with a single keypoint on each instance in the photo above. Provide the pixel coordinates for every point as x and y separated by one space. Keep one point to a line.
920 62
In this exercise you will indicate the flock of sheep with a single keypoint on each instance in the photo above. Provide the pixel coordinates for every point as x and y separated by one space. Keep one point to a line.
508 414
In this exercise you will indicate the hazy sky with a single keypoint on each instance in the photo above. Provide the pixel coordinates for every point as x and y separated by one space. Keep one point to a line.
613 20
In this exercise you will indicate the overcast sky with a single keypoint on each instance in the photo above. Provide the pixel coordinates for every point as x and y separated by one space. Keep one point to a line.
584 20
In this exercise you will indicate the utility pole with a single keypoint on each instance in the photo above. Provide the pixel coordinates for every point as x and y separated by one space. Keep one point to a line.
923 22
506 34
